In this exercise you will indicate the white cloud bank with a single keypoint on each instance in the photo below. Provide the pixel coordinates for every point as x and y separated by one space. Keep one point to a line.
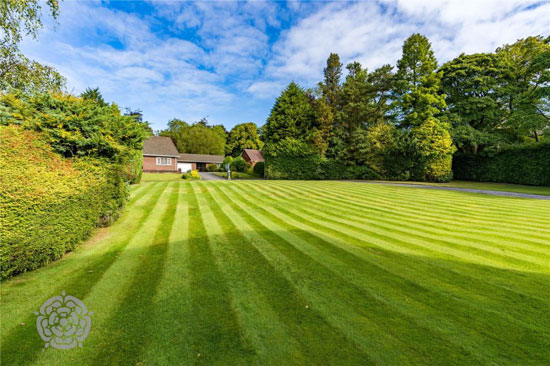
229 60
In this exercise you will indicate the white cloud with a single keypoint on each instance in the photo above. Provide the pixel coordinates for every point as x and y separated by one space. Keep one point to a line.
229 60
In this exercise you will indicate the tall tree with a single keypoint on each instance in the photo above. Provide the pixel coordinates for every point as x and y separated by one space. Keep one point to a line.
330 86
243 136
526 85
291 116
418 84
198 138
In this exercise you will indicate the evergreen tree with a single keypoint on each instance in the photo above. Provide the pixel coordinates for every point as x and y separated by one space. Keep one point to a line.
418 84
291 116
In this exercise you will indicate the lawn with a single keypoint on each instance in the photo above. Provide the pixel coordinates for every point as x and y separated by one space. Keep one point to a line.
280 272
518 188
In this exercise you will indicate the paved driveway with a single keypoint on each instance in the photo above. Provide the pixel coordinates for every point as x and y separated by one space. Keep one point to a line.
210 176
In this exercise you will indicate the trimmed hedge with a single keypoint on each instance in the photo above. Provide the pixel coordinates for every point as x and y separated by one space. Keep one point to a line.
259 169
515 164
48 204
291 159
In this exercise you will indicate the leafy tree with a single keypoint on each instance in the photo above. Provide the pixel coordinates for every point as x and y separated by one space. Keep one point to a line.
330 86
526 85
291 116
435 149
17 71
243 136
417 83
198 138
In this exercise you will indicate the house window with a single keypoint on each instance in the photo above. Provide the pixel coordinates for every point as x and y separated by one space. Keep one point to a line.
164 161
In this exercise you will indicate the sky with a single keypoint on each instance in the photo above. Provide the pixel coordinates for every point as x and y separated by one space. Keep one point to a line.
228 61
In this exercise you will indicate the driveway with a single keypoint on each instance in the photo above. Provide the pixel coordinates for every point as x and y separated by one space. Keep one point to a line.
210 176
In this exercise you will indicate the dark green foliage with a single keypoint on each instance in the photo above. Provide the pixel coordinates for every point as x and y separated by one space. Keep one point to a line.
336 169
259 169
243 136
291 159
198 138
291 116
239 165
514 164
49 204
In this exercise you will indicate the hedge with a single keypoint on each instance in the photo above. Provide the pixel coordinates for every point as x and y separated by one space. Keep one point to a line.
515 164
48 204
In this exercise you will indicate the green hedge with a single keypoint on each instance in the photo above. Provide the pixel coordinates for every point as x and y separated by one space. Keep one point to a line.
515 164
291 159
48 204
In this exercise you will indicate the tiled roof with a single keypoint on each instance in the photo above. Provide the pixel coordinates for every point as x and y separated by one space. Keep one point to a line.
159 145
254 155
200 158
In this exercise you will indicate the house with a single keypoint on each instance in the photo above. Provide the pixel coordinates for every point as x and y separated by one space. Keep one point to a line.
160 155
198 162
252 156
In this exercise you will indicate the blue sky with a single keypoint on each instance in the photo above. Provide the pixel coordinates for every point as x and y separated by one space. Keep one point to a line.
228 61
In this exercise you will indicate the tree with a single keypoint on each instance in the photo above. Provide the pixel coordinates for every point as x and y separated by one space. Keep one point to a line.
526 85
94 94
198 138
243 136
417 83
17 71
19 17
291 116
330 86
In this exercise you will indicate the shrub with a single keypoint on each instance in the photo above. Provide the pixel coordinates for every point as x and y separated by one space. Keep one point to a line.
336 169
239 165
48 204
258 169
513 164
227 160
212 168
192 175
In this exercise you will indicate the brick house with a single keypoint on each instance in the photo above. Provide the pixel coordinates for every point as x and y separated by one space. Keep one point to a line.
160 155
252 156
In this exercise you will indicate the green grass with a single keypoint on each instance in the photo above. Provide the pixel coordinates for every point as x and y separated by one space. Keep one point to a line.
161 177
280 272
490 186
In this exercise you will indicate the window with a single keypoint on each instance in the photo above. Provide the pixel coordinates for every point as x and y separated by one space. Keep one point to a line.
164 161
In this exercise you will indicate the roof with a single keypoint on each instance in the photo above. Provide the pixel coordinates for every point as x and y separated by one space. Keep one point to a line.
254 155
159 146
201 158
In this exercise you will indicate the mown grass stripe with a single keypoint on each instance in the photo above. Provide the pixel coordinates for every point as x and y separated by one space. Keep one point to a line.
400 229
496 342
387 195
428 215
365 216
289 305
471 280
134 317
296 241
215 326
170 340
22 345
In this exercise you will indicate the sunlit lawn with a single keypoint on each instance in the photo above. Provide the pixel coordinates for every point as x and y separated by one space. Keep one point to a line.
279 272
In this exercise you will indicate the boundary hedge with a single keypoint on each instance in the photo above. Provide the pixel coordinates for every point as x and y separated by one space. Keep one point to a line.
49 204
515 164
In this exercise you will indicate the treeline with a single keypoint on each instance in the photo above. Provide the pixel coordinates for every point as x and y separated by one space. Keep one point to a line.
66 161
405 122
201 138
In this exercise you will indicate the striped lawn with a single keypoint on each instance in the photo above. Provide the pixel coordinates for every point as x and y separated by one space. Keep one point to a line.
282 272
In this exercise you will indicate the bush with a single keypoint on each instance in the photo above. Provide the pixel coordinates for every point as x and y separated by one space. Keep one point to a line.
227 160
258 169
513 164
48 204
291 159
239 165
212 168
192 175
